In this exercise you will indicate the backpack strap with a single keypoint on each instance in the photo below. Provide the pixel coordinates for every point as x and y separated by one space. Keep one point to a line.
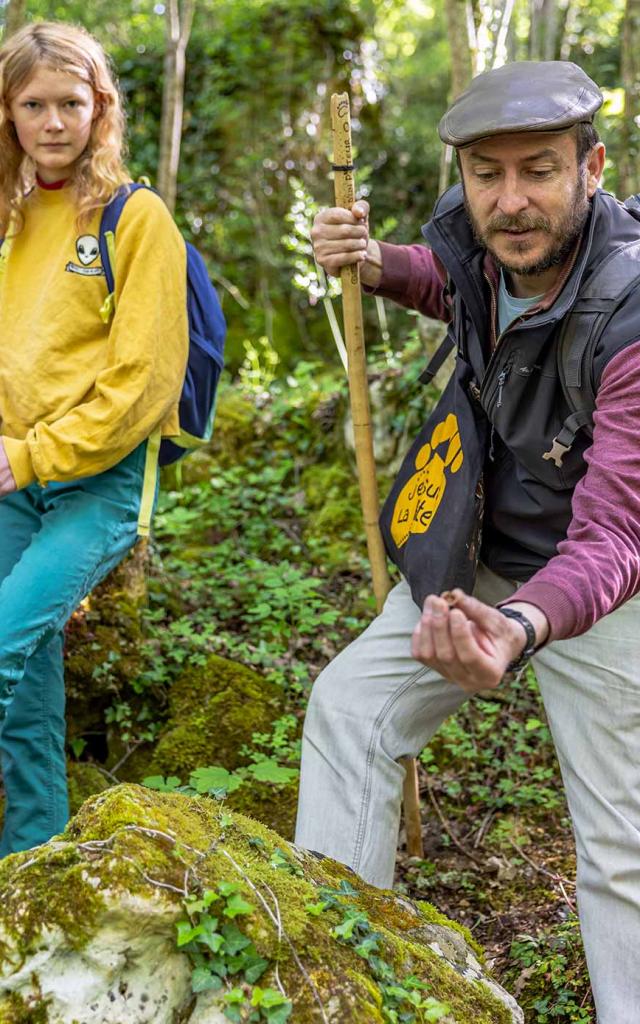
579 336
107 242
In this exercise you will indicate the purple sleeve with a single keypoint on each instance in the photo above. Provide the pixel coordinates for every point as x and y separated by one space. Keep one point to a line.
597 567
413 277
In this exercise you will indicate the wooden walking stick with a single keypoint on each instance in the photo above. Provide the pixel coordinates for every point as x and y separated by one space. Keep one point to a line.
345 194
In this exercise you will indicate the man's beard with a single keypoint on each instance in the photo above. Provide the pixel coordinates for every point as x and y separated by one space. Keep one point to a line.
563 234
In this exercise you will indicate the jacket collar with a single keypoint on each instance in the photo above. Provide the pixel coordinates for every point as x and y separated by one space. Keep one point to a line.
451 238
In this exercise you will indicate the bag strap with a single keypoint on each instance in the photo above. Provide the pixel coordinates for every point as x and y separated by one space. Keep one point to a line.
108 224
579 336
449 342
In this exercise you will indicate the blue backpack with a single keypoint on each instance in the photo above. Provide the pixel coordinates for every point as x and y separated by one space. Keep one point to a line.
206 337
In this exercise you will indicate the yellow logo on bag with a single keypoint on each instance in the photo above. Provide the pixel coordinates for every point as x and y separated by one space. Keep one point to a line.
420 497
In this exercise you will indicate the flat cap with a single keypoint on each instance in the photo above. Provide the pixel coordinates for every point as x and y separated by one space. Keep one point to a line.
526 96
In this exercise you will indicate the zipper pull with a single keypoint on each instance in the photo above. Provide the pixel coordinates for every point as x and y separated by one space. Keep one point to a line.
502 379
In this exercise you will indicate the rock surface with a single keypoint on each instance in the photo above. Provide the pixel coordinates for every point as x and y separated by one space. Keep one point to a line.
88 927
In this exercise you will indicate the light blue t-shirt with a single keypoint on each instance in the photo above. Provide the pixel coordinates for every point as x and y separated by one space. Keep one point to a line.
510 307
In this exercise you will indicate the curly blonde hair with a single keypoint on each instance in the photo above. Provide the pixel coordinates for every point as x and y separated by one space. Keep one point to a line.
100 169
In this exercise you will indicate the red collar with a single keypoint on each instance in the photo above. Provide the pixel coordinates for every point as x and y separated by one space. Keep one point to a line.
50 185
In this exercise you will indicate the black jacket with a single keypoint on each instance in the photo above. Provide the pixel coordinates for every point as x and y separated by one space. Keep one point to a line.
528 499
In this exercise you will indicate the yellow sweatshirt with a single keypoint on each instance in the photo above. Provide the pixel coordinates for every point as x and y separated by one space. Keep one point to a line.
76 394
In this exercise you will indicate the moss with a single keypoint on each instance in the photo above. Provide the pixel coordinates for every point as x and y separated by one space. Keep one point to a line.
14 1009
434 916
103 645
128 832
334 519
30 902
276 806
213 711
238 422
84 780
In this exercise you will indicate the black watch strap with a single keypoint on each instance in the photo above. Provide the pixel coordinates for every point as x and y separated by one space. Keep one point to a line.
516 666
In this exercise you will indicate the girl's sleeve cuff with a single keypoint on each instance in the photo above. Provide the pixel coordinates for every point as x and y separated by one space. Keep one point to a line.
20 462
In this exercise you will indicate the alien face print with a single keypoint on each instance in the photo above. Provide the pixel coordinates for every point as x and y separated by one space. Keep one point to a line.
87 251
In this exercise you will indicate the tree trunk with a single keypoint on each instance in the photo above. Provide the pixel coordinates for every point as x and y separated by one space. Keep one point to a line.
16 15
543 37
630 73
461 65
178 25
457 13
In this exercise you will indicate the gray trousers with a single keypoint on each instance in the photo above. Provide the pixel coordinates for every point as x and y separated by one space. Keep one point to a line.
375 704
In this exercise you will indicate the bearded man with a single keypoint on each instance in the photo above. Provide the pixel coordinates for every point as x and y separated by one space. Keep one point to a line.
517 244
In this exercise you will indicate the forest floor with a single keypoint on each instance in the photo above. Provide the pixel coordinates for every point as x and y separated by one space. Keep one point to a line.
259 557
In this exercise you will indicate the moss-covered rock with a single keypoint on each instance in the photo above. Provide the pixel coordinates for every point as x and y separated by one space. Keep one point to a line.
214 711
84 779
102 645
333 526
88 924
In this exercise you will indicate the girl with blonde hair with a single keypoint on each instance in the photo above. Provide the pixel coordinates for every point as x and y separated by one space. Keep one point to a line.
87 385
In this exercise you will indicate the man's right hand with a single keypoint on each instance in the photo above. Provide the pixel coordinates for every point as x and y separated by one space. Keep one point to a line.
341 237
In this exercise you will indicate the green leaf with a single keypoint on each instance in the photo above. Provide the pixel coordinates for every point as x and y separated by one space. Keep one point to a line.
279 1014
256 966
202 980
161 784
315 909
271 771
236 995
234 939
533 723
237 905
214 779
228 888
266 998
187 932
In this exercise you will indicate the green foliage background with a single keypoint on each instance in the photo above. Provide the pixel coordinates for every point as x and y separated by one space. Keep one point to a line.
259 77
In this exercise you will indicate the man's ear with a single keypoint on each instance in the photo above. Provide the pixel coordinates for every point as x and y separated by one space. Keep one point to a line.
595 168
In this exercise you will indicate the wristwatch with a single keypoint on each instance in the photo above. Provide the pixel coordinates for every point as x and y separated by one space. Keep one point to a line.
515 667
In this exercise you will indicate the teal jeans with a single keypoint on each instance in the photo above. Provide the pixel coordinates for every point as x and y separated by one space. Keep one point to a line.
56 543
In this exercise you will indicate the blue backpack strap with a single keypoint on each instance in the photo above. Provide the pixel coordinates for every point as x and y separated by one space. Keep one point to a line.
108 223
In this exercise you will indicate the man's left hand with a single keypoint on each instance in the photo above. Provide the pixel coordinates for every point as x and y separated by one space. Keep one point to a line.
470 644
7 483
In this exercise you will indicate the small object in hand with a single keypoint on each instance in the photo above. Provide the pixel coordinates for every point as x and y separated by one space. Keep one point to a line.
449 597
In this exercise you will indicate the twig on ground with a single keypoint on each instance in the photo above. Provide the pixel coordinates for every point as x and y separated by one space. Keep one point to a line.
560 880
445 824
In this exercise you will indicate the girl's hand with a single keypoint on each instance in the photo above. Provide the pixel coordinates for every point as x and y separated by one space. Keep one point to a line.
7 483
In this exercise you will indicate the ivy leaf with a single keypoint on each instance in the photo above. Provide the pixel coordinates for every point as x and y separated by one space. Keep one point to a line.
187 932
353 919
280 1014
368 946
228 888
315 909
271 771
266 998
197 906
234 940
256 966
279 860
236 995
233 1013
202 980
435 1010
214 779
237 905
